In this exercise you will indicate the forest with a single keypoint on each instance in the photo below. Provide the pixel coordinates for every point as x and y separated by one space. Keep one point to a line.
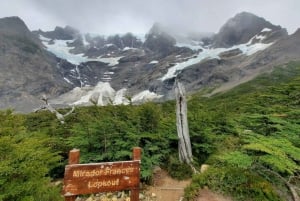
249 136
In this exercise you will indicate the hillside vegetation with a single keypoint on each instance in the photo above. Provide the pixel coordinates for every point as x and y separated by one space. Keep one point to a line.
250 137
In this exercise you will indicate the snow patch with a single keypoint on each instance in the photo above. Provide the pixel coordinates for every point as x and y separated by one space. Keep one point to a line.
60 49
266 30
154 62
101 95
252 49
68 81
111 61
120 98
129 48
145 96
44 38
109 45
85 42
206 53
192 45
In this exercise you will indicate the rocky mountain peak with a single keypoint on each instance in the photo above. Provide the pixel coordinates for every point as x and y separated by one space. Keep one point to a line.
156 29
13 26
297 32
241 28
26 69
59 33
32 65
158 40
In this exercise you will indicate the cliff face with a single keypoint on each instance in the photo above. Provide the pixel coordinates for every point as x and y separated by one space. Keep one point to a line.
242 27
26 69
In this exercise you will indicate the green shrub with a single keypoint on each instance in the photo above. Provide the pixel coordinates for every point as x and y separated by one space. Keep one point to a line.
177 169
25 162
238 183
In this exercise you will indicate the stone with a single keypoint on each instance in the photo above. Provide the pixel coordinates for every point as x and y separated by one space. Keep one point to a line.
204 168
90 199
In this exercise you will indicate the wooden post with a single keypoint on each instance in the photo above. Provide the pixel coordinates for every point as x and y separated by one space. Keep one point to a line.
136 155
73 159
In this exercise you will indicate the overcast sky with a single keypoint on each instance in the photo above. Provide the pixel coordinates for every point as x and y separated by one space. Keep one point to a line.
137 16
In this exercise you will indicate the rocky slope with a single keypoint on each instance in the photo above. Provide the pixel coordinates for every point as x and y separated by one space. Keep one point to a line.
110 69
242 27
27 70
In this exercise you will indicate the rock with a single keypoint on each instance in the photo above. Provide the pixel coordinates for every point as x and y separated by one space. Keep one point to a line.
59 33
156 169
230 53
120 194
204 168
90 199
157 40
57 183
241 28
141 196
27 69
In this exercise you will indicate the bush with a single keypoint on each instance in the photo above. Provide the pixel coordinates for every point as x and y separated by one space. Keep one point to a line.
25 162
177 169
238 183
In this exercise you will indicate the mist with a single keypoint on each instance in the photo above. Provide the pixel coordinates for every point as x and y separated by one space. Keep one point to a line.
137 16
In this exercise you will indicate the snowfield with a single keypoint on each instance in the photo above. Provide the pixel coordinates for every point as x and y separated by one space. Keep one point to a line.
61 49
213 53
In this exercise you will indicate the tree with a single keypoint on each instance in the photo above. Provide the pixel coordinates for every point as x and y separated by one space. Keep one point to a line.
25 162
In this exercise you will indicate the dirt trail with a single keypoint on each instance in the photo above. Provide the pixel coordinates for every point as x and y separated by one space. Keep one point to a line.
165 188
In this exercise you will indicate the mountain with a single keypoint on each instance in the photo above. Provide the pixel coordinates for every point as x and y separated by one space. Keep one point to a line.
82 69
158 40
242 27
27 69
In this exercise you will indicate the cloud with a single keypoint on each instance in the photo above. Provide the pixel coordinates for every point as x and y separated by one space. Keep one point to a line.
121 16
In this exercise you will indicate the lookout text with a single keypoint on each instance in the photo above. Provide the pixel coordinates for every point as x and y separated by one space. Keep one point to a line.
102 177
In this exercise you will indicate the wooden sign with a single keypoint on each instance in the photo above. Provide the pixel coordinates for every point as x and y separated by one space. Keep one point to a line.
101 177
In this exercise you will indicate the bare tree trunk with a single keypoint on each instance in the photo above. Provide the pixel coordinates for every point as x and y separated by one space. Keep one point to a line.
184 144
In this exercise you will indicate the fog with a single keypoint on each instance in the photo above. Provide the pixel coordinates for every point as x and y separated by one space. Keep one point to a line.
137 16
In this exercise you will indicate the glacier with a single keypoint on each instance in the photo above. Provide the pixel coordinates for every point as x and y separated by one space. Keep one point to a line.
61 49
213 53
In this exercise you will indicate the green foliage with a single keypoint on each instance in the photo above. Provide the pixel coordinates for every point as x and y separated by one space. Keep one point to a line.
255 125
178 170
236 159
25 161
258 126
238 183
277 154
149 118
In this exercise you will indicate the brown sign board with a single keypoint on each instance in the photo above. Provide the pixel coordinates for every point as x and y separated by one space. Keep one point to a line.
101 177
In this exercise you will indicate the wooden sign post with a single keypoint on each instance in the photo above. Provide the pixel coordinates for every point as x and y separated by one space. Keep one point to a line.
101 177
